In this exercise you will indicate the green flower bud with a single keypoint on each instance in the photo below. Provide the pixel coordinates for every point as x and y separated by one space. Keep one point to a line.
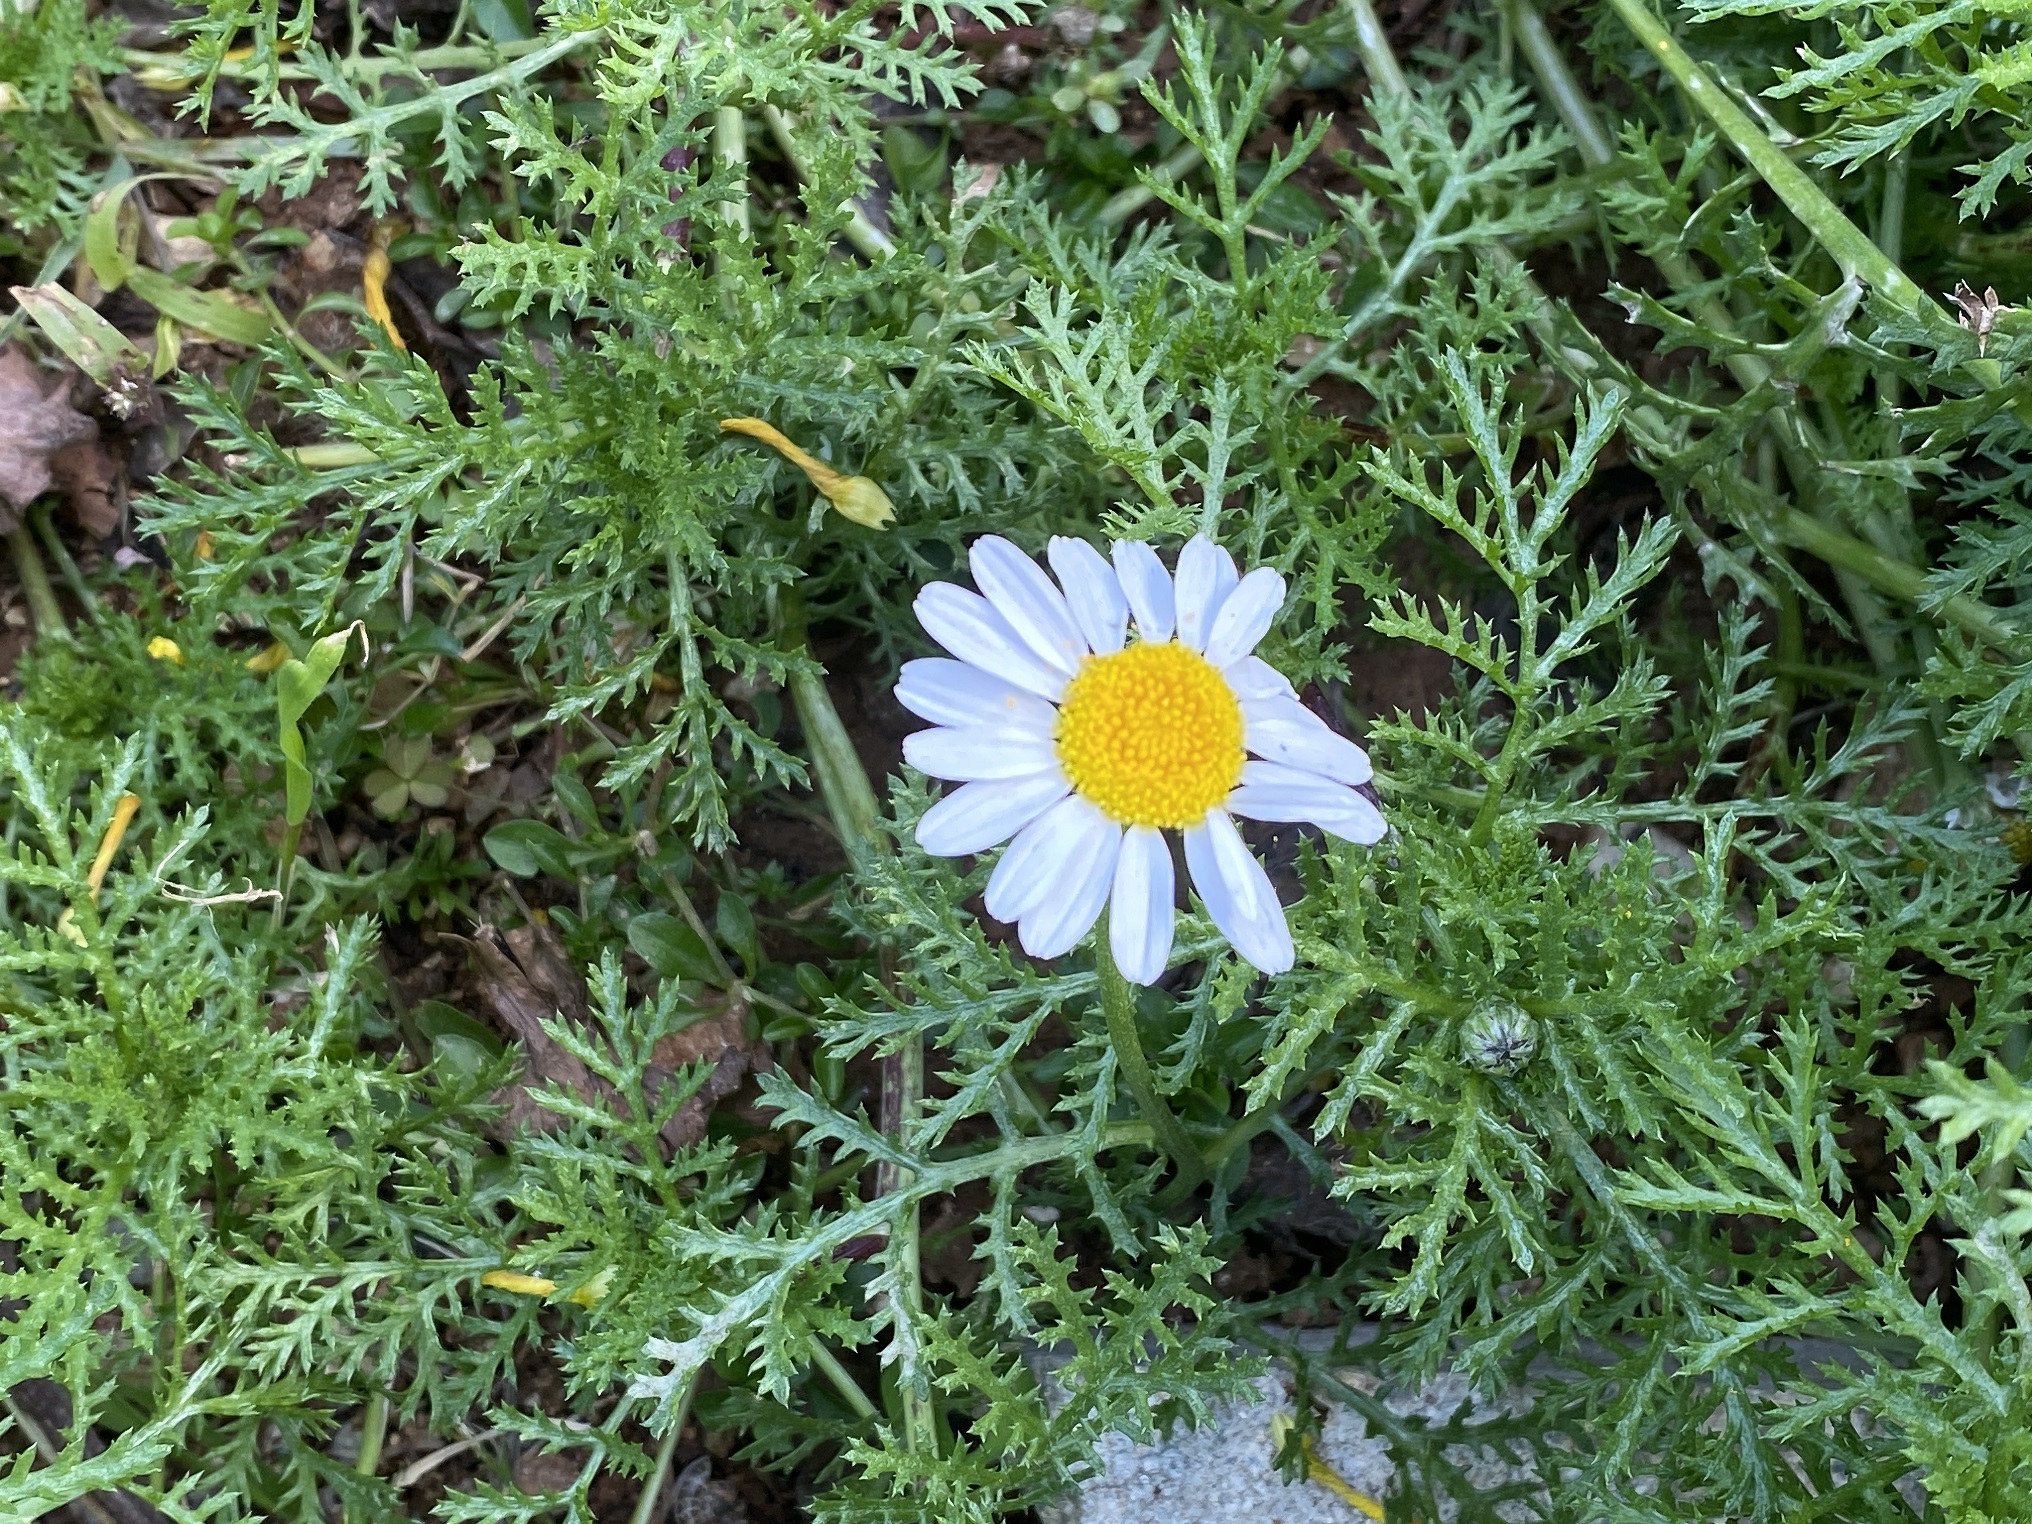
1499 1037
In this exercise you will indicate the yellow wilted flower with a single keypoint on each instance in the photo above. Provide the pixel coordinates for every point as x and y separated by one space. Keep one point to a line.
517 1282
374 272
1317 1470
593 1290
269 659
162 648
857 497
124 809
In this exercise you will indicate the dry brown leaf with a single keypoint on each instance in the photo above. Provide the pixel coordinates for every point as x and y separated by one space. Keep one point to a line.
90 480
538 1471
34 425
696 1498
528 978
724 1040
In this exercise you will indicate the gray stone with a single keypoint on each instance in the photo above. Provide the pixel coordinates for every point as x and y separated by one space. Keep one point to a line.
1226 1472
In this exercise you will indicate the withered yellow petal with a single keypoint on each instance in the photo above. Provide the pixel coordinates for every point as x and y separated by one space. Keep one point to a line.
856 497
269 658
374 270
162 648
860 499
593 1290
517 1282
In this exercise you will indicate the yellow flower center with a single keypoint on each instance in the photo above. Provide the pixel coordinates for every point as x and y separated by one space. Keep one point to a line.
1151 734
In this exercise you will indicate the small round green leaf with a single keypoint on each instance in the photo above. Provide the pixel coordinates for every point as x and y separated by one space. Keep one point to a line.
670 947
526 848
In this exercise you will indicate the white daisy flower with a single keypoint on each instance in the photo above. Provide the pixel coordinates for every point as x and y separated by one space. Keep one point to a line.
1086 745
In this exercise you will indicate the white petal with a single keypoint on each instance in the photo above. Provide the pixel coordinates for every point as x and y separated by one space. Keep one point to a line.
1029 600
1245 617
1284 730
1053 927
980 751
1036 863
1237 893
1139 910
1206 574
1147 585
982 815
1092 591
1271 791
949 692
1253 678
967 625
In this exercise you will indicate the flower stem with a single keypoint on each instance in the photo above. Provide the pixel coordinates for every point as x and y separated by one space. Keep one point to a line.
285 872
1118 1010
373 1434
666 1453
856 815
1899 579
829 1366
1842 239
66 564
860 230
902 1098
42 604
1386 75
842 780
730 152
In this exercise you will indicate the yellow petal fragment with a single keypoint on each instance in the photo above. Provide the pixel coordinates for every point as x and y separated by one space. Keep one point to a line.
203 546
268 660
374 271
123 816
162 648
856 497
1317 1470
593 1290
109 843
517 1282
862 500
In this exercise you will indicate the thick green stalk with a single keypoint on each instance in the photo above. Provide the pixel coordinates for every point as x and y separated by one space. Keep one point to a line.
902 1099
1846 244
1562 91
373 1434
870 240
843 1382
1499 780
666 1453
66 563
842 780
1118 1010
730 151
1900 579
850 801
1385 74
1891 235
42 604
285 871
